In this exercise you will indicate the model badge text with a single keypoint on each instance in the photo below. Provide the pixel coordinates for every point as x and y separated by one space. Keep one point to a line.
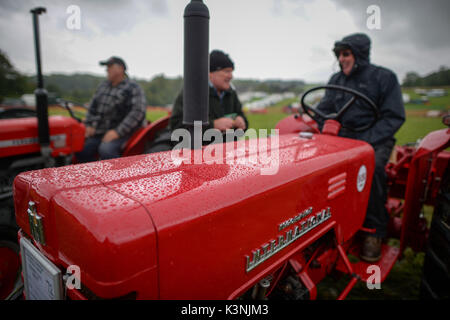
275 245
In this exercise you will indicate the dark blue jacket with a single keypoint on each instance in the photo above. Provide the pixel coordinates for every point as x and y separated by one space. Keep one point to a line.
377 83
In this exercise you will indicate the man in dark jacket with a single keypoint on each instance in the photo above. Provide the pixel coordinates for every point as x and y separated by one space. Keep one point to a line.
115 112
225 109
382 87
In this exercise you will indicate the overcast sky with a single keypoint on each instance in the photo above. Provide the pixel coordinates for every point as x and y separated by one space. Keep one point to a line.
282 39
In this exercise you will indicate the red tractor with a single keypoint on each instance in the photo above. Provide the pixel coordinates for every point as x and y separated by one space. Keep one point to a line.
209 227
30 140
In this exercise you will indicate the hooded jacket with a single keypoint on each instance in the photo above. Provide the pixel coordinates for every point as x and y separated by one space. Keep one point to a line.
377 83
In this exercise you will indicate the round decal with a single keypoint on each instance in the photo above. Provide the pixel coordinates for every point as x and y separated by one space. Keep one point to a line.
362 177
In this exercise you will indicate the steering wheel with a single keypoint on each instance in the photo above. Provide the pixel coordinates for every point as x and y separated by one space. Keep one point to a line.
66 105
317 115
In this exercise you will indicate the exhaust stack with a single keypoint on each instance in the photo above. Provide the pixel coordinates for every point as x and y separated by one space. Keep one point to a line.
40 93
196 65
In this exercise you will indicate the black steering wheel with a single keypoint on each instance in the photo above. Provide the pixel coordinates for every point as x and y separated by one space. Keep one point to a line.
317 115
66 105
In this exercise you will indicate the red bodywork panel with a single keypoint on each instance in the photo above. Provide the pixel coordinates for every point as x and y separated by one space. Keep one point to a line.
421 183
416 177
109 236
136 144
20 136
150 225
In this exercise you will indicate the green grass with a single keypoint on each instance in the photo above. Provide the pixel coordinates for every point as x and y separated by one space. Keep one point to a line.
411 93
264 121
60 111
271 118
427 107
443 102
416 127
151 115
155 115
402 283
437 103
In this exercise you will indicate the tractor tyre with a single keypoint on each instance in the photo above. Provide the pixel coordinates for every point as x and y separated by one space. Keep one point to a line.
436 270
10 267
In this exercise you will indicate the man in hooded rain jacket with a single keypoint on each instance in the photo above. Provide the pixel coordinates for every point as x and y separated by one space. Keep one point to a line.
382 87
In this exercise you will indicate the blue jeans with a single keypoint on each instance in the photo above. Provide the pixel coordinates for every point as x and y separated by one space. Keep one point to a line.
105 150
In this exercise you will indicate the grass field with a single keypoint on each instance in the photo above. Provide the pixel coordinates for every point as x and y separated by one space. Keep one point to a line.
417 125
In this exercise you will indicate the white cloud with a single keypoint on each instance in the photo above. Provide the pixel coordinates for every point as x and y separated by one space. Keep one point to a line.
283 39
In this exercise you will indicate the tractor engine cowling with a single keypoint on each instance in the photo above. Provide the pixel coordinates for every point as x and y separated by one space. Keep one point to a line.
163 229
20 136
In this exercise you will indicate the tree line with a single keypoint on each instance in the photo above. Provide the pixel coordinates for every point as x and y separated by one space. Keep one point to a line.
161 90
80 87
434 79
12 83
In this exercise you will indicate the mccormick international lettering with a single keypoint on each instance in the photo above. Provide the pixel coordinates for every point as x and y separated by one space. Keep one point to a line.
275 245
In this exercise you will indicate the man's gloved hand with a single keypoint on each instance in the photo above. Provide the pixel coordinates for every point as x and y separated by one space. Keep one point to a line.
110 136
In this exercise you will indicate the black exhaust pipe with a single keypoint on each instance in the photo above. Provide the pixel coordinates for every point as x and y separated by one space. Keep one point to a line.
196 66
40 93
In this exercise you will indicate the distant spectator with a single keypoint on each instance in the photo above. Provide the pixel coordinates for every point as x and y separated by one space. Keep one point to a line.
116 111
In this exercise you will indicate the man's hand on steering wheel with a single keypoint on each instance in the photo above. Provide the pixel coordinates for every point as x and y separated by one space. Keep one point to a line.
317 115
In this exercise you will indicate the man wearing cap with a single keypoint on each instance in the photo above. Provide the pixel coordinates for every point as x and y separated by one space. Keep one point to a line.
225 109
382 87
115 112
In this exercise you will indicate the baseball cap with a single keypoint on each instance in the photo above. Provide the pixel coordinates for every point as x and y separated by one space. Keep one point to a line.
113 60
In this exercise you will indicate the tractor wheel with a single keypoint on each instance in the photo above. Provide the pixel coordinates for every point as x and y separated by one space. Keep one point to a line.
10 279
436 269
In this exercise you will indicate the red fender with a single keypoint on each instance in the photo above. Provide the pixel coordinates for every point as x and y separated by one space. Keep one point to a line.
418 178
136 144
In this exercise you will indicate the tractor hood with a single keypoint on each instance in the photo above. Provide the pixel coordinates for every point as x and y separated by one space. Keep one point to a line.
203 225
87 224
